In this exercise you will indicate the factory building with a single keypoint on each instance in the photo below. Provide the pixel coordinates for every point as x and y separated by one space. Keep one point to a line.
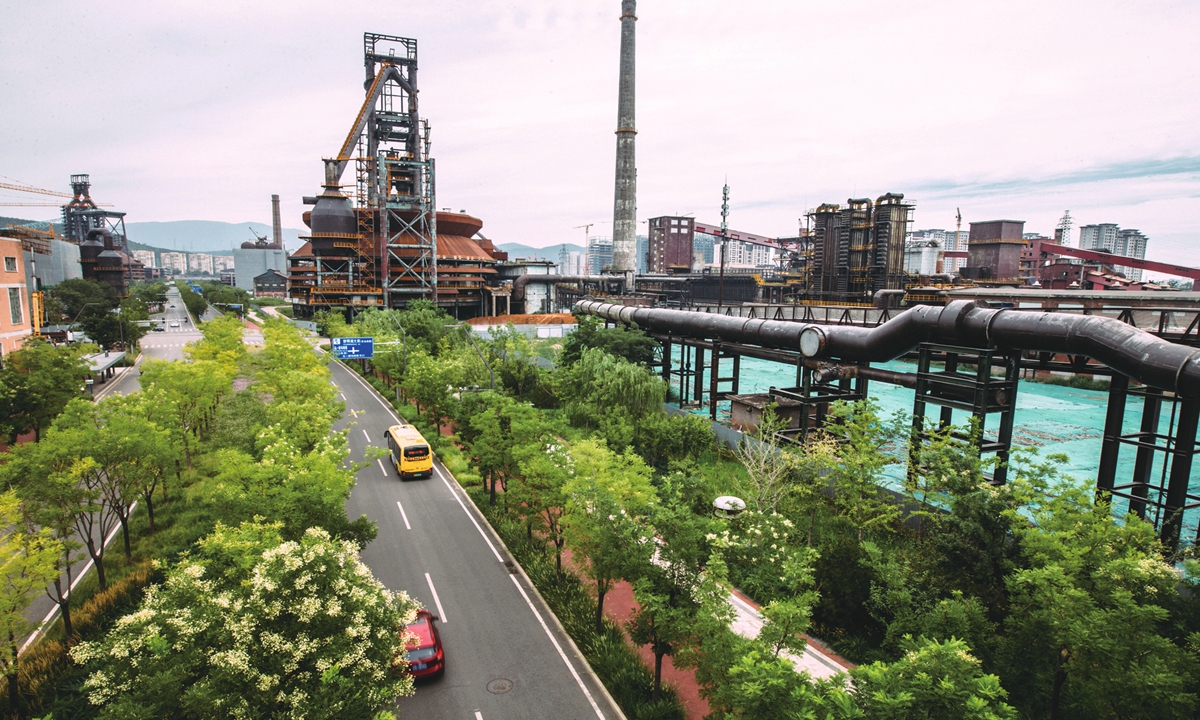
858 250
385 244
670 245
994 250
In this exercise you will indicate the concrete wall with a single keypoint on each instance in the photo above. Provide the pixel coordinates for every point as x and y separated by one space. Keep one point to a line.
249 264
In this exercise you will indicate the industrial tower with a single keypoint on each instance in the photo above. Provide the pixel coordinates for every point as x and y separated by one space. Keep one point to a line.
625 203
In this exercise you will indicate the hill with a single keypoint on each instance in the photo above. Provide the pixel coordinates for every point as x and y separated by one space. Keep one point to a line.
517 250
199 236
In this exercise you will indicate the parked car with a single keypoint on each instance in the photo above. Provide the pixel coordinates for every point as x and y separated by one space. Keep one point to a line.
424 655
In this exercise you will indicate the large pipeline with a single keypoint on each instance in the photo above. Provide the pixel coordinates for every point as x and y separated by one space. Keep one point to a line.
521 281
1124 348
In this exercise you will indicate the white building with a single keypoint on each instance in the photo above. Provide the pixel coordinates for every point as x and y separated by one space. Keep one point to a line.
145 257
174 261
222 263
200 262
1111 238
921 256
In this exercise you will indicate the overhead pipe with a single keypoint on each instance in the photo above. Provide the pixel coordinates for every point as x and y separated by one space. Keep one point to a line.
522 280
1132 352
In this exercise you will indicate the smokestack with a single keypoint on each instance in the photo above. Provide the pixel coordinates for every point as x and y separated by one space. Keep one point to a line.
625 204
276 225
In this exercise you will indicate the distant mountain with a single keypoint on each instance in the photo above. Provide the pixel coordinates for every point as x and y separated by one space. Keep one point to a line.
199 236
202 236
517 250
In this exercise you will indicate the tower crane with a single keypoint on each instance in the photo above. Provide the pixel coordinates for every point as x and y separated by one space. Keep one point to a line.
22 187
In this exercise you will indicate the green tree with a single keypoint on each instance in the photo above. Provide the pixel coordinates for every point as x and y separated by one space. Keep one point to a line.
221 342
1084 635
608 498
78 294
499 427
936 680
857 477
662 438
253 626
115 328
28 560
188 393
545 467
36 383
624 341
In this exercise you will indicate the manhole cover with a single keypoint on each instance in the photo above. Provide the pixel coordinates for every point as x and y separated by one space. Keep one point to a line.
499 686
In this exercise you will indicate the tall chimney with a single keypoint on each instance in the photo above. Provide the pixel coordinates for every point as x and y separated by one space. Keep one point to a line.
276 225
625 204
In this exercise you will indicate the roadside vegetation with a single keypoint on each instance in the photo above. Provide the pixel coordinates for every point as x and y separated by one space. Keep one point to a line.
957 599
233 586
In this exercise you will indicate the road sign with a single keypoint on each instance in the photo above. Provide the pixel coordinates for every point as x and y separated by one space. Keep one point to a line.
353 348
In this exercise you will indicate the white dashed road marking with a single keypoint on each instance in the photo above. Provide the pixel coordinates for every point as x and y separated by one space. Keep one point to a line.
409 527
437 601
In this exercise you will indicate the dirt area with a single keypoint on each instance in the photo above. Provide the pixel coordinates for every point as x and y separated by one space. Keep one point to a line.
539 319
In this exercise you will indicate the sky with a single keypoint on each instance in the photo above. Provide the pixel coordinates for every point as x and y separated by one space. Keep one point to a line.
1021 110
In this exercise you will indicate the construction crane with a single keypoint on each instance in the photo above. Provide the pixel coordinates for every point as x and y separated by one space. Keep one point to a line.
587 250
22 187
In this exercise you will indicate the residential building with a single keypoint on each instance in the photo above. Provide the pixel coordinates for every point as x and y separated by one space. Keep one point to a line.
1099 237
743 249
175 262
146 257
599 255
200 263
15 323
222 263
1131 243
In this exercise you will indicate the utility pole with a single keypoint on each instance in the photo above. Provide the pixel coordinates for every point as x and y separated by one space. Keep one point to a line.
724 240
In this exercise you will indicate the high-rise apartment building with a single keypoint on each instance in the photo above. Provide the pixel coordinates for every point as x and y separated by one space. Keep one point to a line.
599 255
1111 238
174 261
145 257
222 263
200 262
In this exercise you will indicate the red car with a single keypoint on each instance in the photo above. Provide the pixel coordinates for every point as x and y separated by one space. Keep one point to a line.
424 655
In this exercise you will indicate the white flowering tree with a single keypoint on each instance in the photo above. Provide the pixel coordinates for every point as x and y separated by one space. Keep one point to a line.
250 626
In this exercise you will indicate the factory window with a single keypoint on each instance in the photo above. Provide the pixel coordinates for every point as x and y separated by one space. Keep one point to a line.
14 305
10 264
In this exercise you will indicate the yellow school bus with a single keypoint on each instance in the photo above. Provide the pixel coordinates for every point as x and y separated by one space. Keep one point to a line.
409 452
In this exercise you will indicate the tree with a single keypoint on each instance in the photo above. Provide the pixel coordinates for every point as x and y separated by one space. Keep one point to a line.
675 592
545 467
109 328
857 477
767 464
36 383
253 626
1084 632
511 354
624 341
499 427
77 294
608 499
605 391
190 393
28 560
935 680
221 341
662 438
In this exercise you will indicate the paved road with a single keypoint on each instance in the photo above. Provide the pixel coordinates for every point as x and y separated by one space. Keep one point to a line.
494 629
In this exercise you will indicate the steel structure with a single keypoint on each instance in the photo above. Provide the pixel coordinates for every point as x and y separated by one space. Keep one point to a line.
856 250
965 334
1044 250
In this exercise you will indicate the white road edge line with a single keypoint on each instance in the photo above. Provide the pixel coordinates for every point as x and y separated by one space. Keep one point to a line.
381 466
436 601
557 647
368 437
391 410
478 715
482 534
54 610
409 527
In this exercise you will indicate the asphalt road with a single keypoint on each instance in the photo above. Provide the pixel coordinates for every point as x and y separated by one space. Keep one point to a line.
505 657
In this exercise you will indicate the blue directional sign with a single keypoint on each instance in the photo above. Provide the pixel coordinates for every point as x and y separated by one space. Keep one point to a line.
354 348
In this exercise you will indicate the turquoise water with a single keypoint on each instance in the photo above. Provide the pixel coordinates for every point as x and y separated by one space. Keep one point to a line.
1050 418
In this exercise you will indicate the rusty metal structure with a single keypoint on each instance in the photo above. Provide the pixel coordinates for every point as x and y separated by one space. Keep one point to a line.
625 200
958 346
856 250
385 244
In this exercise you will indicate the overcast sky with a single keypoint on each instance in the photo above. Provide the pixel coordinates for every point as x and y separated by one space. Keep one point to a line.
201 110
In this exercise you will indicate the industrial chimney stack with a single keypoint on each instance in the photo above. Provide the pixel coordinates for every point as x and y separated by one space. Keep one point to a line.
625 205
276 225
